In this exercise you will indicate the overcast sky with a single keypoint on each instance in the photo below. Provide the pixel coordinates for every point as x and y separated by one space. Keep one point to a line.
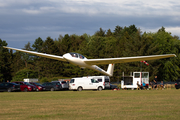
23 21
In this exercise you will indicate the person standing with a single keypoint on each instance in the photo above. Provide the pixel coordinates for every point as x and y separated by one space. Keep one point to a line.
155 82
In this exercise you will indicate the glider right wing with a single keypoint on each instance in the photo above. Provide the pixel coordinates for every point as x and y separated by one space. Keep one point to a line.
126 59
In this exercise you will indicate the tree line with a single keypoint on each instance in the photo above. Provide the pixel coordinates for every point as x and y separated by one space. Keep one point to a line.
122 42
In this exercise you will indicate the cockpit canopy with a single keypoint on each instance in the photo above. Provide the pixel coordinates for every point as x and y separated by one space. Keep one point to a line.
77 55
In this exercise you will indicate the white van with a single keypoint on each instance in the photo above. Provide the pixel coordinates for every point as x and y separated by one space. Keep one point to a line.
104 80
85 84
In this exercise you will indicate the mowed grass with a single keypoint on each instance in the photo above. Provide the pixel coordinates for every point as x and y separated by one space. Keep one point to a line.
88 105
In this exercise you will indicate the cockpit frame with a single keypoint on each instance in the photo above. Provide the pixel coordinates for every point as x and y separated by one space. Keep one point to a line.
77 55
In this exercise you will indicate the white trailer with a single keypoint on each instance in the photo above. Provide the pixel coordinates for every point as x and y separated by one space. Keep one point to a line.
131 81
30 80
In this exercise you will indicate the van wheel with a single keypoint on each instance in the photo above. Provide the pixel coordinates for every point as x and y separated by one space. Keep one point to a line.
52 89
99 88
79 89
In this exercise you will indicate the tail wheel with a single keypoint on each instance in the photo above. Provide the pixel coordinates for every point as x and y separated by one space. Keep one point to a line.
52 89
100 88
79 89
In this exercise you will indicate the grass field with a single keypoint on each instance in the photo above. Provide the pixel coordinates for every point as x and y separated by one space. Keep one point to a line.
98 105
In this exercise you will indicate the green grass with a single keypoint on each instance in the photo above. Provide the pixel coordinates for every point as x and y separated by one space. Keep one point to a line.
98 105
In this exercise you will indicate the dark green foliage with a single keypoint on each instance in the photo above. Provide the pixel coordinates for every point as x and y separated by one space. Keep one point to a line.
100 33
38 45
25 73
122 42
5 62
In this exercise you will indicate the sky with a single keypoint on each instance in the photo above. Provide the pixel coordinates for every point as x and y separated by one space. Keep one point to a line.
23 21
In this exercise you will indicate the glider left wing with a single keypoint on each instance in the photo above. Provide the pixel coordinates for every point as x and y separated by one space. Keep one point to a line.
60 58
126 59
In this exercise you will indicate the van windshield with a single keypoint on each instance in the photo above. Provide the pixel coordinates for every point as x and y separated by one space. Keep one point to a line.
72 81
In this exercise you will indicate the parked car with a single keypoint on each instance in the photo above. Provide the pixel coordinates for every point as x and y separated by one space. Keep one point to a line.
113 86
38 86
64 84
177 84
52 86
25 86
9 87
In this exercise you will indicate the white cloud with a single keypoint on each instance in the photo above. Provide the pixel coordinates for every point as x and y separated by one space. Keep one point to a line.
96 7
173 30
29 19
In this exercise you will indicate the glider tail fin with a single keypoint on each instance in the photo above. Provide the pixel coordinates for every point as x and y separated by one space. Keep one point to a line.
110 69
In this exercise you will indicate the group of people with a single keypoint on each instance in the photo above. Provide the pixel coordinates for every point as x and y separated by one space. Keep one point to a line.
154 84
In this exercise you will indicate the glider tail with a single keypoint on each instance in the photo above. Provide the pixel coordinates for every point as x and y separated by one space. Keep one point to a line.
110 69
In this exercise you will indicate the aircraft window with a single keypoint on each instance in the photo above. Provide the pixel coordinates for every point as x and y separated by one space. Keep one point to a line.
74 54
81 56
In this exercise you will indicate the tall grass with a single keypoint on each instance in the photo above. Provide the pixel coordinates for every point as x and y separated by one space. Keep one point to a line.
107 104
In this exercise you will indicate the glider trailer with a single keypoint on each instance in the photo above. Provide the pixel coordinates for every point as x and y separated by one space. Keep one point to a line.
131 81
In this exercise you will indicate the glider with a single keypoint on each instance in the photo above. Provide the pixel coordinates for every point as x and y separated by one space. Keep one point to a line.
81 61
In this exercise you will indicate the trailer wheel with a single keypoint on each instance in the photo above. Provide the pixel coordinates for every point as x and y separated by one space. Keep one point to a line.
79 89
100 88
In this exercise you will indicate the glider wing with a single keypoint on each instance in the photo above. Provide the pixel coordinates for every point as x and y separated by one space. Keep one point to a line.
60 58
126 59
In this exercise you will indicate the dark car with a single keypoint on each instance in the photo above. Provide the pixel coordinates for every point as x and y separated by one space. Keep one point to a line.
177 84
9 87
25 86
38 86
64 84
113 86
52 86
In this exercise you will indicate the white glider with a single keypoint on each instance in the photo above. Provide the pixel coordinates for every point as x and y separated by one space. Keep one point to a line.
81 61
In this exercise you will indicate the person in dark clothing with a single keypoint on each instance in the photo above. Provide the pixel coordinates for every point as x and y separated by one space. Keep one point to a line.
139 86
155 82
